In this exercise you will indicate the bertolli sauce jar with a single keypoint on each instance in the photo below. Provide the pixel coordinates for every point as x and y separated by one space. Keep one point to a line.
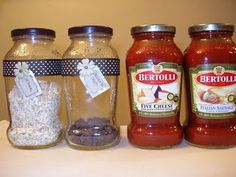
154 69
90 69
32 69
210 62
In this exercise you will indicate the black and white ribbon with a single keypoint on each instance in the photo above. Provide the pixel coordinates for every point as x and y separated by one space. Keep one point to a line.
40 67
108 66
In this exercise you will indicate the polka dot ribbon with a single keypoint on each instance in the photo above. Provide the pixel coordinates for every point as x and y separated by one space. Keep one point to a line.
108 66
42 67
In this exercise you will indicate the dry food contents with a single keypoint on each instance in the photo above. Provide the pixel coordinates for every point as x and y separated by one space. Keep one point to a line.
90 68
83 131
154 69
211 81
32 69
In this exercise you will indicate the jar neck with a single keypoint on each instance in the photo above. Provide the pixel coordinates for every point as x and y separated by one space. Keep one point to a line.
154 35
33 39
212 35
94 37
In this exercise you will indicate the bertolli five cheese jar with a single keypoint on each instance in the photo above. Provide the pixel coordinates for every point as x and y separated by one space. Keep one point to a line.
32 69
154 69
90 69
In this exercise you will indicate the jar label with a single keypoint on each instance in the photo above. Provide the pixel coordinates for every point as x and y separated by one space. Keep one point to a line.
26 81
92 78
213 91
155 89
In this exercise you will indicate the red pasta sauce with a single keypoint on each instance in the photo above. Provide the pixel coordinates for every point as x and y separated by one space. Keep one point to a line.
154 67
210 68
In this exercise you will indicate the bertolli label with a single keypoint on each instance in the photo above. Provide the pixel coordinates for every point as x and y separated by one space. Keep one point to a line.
213 90
155 89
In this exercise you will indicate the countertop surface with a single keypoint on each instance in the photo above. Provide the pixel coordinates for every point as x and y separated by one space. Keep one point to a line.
123 160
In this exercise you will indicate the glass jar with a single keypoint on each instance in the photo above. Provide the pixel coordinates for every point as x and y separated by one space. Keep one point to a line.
31 69
90 69
210 63
154 68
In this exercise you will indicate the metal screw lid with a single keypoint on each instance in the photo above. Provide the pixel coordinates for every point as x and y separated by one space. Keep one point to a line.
152 28
33 31
211 27
90 29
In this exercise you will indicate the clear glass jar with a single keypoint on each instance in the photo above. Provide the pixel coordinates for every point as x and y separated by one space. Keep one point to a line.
90 68
210 63
154 72
32 69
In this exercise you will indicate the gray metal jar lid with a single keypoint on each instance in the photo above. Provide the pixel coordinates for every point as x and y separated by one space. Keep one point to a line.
152 28
211 27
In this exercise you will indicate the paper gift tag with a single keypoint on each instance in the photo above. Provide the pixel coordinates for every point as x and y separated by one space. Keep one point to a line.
28 85
92 78
95 83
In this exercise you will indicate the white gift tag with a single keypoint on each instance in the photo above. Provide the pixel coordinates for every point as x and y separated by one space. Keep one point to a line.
28 85
95 82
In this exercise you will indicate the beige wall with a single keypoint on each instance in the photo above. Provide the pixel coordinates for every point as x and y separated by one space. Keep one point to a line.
119 14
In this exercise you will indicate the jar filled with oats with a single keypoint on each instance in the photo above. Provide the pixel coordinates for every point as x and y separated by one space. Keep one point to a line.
90 67
32 69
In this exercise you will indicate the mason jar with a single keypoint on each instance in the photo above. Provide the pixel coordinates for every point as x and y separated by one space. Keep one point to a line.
32 69
210 63
90 69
